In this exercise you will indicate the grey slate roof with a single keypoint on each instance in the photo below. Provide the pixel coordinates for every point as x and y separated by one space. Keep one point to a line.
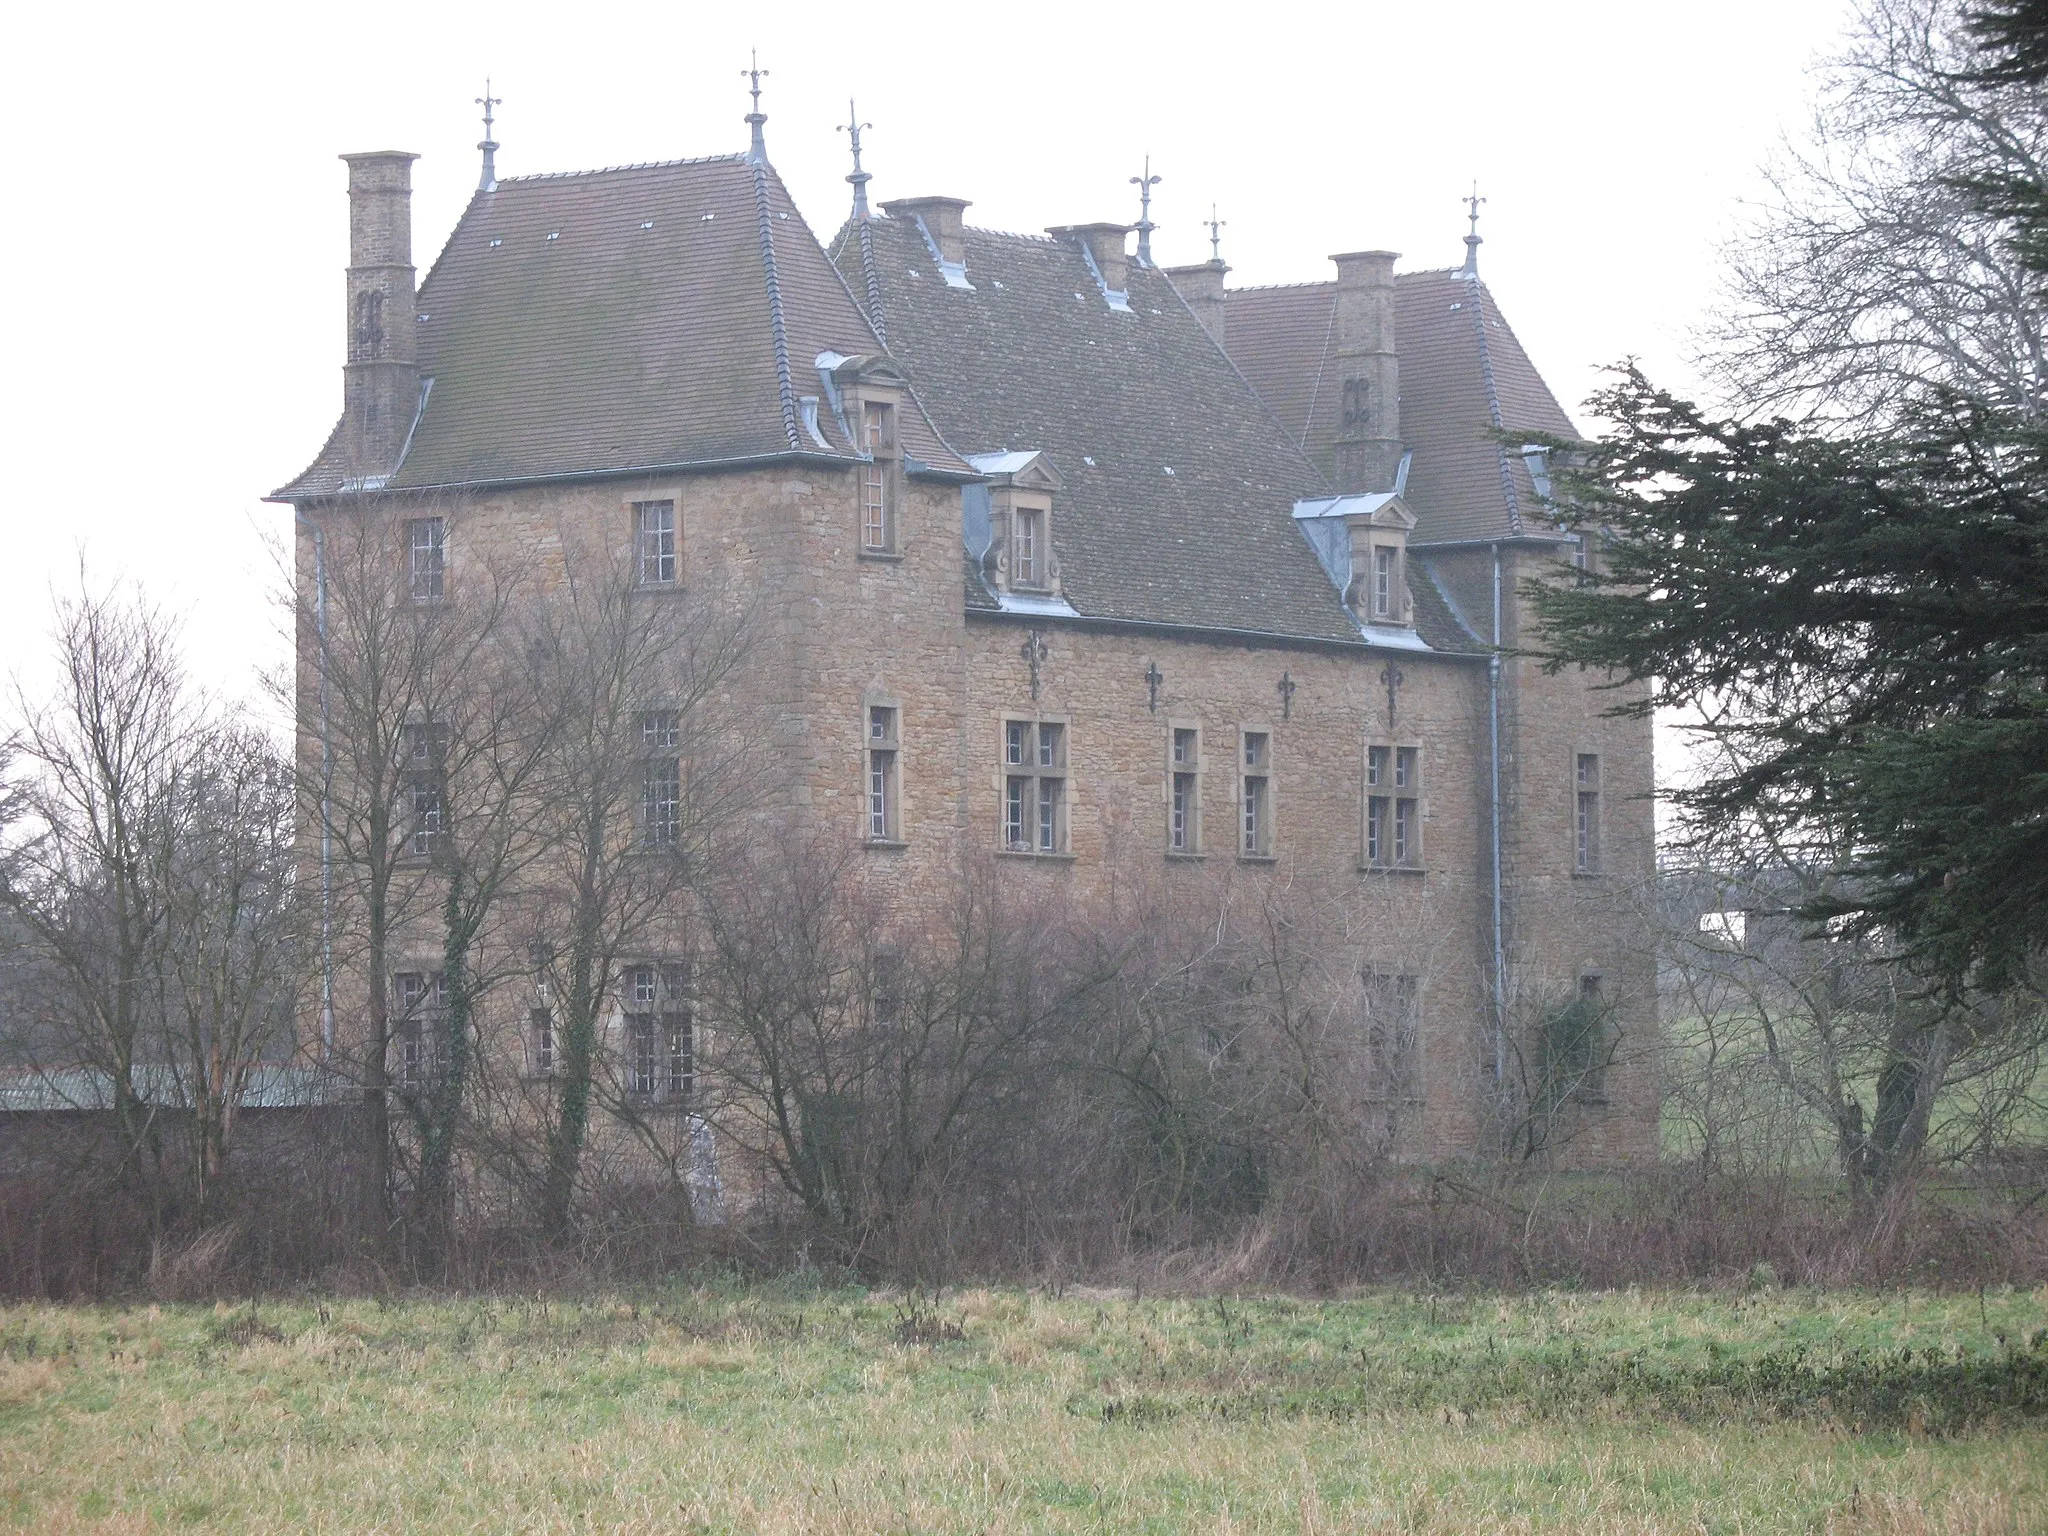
1178 483
270 1085
647 316
1463 373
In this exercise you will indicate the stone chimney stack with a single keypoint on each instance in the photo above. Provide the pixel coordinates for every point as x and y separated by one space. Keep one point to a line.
1104 243
942 221
1368 452
1202 287
381 380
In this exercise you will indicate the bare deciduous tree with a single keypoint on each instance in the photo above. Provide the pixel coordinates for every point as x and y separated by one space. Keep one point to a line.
1876 266
153 884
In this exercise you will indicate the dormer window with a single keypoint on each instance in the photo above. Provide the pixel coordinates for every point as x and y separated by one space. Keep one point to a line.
866 396
1362 542
878 478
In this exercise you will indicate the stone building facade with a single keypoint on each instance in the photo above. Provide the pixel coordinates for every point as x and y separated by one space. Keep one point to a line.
1063 560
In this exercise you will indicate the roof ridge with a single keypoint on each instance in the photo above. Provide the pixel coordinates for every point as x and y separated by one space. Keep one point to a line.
983 229
633 165
1321 282
778 333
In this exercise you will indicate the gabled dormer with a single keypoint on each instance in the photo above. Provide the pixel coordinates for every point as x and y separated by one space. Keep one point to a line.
867 395
1362 542
1007 523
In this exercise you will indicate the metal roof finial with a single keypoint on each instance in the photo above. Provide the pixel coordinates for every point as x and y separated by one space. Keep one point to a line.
488 182
1145 184
1216 227
757 150
1472 240
852 128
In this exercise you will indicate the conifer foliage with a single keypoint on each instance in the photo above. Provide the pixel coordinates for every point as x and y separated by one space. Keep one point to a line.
1862 612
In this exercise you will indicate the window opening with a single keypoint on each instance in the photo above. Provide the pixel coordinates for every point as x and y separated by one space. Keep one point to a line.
427 561
655 529
884 789
1258 794
1034 786
877 493
660 1033
1183 830
661 778
1586 851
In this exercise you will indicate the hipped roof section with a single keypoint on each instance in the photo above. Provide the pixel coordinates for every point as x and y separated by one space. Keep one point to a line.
1464 376
1177 485
656 317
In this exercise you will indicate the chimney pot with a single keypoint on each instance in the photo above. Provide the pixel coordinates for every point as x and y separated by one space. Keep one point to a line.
942 221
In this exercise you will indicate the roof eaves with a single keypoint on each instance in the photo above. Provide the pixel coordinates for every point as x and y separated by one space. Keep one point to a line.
559 477
1226 634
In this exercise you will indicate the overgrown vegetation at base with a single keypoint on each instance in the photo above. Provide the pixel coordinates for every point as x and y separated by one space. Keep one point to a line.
720 1406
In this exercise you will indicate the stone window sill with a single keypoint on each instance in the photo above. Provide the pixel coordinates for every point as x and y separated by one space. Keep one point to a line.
1185 856
884 556
1589 874
1258 858
1035 855
1416 871
885 844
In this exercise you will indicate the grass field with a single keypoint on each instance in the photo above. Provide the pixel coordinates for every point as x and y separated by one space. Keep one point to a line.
794 1408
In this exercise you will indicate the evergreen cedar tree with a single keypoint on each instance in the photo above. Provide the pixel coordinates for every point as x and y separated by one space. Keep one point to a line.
1871 610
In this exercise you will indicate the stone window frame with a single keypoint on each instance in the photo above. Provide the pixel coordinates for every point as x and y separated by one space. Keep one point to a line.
1021 509
657 1021
426 559
856 384
1257 842
543 1031
890 748
1389 783
881 473
423 770
1588 807
418 997
1190 768
1034 771
633 505
658 742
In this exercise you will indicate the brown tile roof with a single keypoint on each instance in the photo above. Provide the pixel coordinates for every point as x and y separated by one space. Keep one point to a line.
1463 374
1179 485
658 316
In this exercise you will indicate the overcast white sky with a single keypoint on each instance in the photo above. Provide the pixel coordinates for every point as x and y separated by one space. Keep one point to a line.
177 218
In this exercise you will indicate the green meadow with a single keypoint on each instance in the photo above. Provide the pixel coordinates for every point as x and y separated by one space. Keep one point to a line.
785 1406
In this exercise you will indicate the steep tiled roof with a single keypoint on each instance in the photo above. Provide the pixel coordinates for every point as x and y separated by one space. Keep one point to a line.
1463 374
626 319
1178 484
